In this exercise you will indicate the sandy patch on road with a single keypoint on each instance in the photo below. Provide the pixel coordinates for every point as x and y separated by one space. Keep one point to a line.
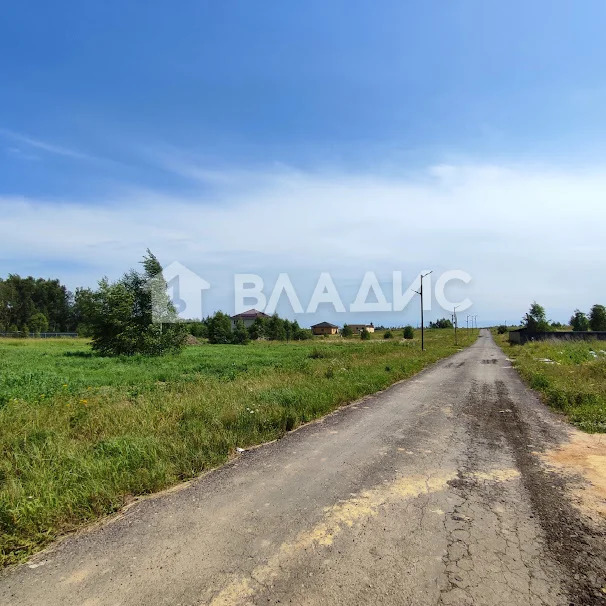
337 519
585 454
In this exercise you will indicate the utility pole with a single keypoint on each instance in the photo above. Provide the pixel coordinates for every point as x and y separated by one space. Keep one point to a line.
454 313
420 292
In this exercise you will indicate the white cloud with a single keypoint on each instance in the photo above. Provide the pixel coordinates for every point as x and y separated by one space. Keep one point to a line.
521 232
43 145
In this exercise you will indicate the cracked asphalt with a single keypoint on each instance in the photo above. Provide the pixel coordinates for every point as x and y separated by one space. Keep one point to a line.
431 492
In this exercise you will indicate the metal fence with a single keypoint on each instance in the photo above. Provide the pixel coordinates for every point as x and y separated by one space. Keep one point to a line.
39 335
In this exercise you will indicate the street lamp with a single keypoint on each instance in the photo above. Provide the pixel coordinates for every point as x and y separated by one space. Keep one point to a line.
420 292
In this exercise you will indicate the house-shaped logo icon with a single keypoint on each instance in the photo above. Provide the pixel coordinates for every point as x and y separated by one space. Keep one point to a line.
183 288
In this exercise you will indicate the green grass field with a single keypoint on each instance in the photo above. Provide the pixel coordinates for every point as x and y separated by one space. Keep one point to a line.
80 434
571 377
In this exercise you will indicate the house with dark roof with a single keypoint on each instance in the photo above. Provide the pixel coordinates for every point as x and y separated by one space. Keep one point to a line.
324 328
248 317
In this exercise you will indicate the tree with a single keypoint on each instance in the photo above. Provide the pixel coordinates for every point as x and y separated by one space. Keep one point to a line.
124 315
275 329
219 329
597 317
409 332
22 298
198 329
257 329
536 320
579 321
346 331
298 333
7 303
502 329
38 323
365 335
442 323
240 336
82 311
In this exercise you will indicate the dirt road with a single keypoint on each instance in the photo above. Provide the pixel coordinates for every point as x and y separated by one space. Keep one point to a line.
435 491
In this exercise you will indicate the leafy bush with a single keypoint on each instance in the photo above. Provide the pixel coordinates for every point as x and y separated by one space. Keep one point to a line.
240 336
409 332
579 321
388 335
597 317
219 329
442 323
198 329
536 320
346 331
502 329
38 323
365 335
121 320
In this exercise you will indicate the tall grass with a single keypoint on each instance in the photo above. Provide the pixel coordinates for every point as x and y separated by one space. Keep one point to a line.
80 433
570 375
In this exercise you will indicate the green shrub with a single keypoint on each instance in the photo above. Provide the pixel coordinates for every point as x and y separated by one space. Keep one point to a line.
240 336
409 332
365 335
388 335
502 329
539 381
124 315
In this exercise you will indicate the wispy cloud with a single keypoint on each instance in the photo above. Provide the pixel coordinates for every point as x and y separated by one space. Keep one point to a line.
44 145
504 225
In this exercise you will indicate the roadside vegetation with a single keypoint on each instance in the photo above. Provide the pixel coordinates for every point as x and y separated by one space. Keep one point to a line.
570 375
82 433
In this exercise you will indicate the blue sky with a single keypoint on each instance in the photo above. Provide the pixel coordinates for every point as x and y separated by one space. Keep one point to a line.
372 136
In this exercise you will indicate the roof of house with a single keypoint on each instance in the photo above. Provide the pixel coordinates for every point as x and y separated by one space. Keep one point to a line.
360 325
251 313
324 325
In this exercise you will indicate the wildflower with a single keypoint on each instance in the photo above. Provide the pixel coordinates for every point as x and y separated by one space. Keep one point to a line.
84 402
64 384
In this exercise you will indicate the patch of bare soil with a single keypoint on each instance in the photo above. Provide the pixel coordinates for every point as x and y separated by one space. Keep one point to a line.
584 455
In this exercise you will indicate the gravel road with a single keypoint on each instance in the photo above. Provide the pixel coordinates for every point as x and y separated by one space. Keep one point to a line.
435 491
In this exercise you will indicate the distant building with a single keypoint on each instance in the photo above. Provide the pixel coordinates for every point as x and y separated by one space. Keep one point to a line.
324 328
358 328
248 317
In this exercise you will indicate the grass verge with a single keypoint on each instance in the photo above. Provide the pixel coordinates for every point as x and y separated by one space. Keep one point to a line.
570 376
81 434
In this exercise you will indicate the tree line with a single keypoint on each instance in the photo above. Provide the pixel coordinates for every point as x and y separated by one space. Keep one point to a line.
535 320
36 305
218 330
122 317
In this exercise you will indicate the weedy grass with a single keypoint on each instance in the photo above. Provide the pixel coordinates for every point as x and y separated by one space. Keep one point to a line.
81 434
570 375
